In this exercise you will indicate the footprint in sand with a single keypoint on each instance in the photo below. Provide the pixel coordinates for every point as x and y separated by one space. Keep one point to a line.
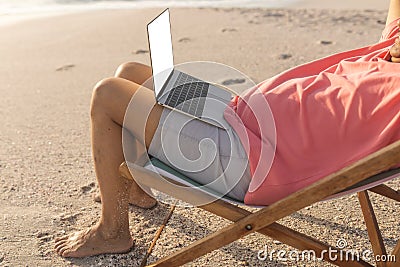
273 14
184 40
233 81
87 188
229 30
65 67
140 51
325 42
253 22
285 56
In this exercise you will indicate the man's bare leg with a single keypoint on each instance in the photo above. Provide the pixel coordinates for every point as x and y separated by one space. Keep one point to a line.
139 74
110 100
134 72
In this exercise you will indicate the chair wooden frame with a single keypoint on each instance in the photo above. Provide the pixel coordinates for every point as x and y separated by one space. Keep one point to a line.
264 220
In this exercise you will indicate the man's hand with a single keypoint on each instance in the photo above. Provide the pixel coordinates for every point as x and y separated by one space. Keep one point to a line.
395 49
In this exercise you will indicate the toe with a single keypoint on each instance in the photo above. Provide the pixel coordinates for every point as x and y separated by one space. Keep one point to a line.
59 244
61 238
60 248
65 252
68 253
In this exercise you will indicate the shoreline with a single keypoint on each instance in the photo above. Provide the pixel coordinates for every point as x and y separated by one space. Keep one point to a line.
17 16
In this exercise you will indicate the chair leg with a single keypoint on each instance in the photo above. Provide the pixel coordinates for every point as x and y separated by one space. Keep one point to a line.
275 231
279 232
374 233
386 191
396 254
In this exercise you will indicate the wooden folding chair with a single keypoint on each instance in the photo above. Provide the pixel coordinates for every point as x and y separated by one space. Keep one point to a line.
368 171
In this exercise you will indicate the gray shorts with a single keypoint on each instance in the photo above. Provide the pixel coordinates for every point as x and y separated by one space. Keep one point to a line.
207 154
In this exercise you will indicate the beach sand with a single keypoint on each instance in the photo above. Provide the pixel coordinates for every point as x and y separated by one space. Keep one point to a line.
48 69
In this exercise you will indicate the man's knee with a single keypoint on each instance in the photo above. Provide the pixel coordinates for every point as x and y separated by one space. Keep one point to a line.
128 68
102 92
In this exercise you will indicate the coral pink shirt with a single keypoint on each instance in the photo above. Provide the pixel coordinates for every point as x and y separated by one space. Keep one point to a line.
328 114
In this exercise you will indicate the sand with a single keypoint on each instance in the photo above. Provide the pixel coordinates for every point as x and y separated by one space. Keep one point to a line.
341 4
48 69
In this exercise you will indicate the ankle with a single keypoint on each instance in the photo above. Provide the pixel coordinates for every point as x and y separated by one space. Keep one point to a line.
112 230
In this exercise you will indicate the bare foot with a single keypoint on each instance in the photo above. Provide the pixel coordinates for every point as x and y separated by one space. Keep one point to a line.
137 197
92 242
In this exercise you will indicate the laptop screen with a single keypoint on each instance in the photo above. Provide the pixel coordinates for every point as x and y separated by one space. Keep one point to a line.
162 61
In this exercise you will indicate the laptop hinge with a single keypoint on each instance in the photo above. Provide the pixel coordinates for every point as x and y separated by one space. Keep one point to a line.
165 84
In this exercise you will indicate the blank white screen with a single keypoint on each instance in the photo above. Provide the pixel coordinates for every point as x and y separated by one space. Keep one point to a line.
162 61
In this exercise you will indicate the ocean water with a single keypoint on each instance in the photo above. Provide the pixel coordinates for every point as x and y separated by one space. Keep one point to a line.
29 7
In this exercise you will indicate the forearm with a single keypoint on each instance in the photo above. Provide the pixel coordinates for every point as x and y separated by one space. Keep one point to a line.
394 11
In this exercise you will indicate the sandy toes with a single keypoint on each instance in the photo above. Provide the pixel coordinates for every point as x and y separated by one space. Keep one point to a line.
92 242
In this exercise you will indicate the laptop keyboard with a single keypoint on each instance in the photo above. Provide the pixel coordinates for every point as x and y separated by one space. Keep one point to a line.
189 94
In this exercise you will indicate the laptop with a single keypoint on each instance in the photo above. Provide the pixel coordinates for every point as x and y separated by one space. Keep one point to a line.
178 90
